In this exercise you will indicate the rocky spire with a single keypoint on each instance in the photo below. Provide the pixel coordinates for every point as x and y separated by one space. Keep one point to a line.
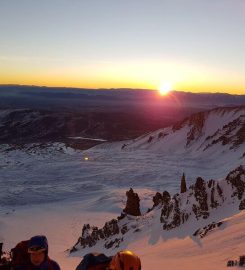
183 188
133 203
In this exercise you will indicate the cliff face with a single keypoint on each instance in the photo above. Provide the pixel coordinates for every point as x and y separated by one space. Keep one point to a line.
198 203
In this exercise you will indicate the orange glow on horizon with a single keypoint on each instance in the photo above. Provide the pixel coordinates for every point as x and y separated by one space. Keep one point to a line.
106 83
135 73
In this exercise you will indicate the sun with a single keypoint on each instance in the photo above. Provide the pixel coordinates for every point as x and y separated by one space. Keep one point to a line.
165 88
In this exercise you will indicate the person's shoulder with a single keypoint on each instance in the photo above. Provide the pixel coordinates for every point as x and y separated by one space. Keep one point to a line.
55 265
21 267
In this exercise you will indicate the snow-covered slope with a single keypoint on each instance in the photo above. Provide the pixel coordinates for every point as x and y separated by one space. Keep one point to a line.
181 215
39 173
208 144
66 188
220 129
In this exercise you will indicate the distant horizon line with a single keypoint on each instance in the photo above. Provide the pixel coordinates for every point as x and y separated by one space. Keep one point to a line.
117 88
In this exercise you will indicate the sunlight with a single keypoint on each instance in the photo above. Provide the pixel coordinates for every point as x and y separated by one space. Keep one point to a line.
165 88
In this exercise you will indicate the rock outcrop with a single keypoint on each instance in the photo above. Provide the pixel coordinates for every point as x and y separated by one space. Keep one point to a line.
133 203
201 233
236 178
183 187
196 122
242 205
193 205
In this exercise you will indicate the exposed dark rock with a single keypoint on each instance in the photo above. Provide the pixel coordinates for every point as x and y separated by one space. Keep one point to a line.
211 183
183 187
205 230
214 202
176 221
90 235
122 216
242 205
133 204
175 210
157 199
73 249
201 196
178 126
166 197
124 229
116 243
123 146
160 135
111 228
235 178
150 139
196 122
232 133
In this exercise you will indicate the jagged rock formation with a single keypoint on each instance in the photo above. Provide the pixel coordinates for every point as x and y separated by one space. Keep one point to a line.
200 193
133 203
91 234
195 204
205 230
157 199
196 122
236 178
242 205
183 187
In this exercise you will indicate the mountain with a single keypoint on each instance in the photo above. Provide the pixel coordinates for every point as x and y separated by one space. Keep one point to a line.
75 99
23 126
209 144
205 218
31 114
198 133
199 211
210 147
201 227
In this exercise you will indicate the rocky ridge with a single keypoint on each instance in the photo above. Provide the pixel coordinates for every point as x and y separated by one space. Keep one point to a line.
198 204
197 132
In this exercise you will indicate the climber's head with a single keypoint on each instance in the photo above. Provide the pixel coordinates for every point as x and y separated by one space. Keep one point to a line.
125 260
38 249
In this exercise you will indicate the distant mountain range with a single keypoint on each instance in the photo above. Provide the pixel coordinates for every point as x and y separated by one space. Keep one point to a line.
23 126
16 96
31 114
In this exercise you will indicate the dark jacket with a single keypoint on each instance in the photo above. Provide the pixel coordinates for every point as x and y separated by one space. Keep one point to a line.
48 264
92 260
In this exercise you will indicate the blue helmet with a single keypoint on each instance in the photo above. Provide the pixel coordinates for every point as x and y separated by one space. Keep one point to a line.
38 243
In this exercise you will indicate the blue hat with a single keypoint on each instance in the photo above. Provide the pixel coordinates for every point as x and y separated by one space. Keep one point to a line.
38 243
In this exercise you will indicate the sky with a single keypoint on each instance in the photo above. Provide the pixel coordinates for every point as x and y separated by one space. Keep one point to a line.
192 45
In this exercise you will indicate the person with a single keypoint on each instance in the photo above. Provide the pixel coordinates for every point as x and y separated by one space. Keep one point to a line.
123 260
38 255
